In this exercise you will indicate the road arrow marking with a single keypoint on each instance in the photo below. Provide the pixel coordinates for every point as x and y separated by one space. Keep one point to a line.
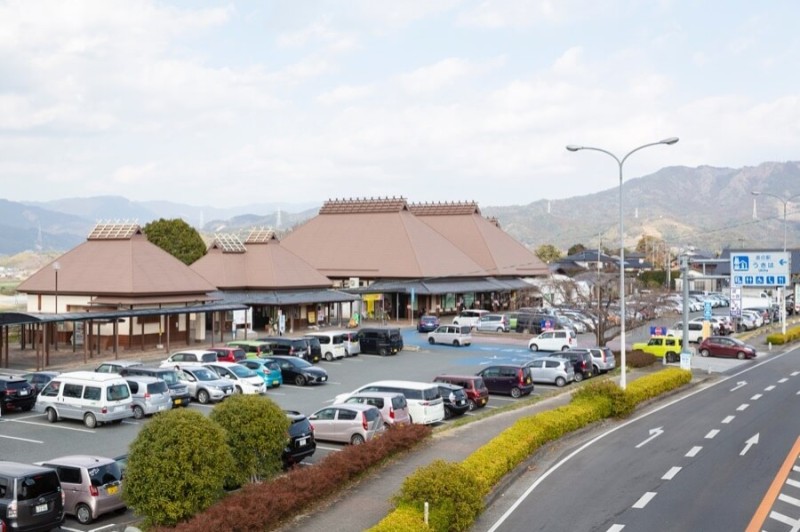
654 433
749 443
739 385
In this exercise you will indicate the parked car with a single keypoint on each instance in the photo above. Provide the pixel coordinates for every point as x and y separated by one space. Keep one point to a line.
92 485
552 370
204 384
331 344
474 387
230 353
425 405
178 390
296 347
197 356
560 340
117 366
493 323
251 348
471 317
244 380
510 379
314 347
695 331
38 379
380 340
31 497
16 394
349 423
535 322
352 346
454 399
299 371
94 398
457 335
603 359
726 346
427 323
150 395
301 443
582 362
392 405
270 372
660 346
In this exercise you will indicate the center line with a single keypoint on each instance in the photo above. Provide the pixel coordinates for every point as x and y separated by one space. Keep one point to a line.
728 419
669 475
711 434
615 528
756 397
693 451
783 380
769 388
742 406
647 497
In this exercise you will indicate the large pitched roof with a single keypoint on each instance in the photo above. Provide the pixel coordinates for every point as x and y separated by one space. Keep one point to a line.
260 262
116 260
377 238
497 252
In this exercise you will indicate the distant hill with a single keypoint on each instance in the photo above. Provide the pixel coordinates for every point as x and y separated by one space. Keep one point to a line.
706 207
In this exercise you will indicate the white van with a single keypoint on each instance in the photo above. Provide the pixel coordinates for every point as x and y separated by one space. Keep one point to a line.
331 343
425 404
95 398
352 345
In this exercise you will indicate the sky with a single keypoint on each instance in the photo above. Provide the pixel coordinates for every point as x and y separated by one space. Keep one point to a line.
299 101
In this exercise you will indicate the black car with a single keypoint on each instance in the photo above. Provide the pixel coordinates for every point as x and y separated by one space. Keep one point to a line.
510 379
178 390
581 360
537 322
296 347
33 496
315 348
455 400
301 442
16 394
380 340
298 371
38 379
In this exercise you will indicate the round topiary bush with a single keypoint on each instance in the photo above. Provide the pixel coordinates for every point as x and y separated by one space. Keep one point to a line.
177 467
256 430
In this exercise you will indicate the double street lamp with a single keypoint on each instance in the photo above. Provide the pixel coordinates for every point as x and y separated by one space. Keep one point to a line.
785 202
620 163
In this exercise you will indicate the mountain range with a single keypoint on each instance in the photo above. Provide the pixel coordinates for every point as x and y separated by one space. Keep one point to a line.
706 207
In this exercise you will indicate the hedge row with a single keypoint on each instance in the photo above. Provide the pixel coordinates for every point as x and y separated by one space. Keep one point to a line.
456 510
780 339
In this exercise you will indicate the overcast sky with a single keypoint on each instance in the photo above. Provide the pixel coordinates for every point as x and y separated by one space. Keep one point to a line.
227 103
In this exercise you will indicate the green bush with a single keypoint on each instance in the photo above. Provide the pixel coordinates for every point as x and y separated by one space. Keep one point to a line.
256 430
176 467
402 519
449 490
653 385
640 359
608 396
778 338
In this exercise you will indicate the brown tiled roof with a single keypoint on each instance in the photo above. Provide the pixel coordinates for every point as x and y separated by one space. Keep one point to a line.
444 209
493 249
125 265
265 265
377 239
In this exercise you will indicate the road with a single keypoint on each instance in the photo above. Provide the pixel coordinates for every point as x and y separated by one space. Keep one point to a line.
704 461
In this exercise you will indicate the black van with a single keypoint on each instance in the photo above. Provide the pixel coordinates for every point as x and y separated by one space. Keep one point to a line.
35 492
536 322
178 390
295 347
380 340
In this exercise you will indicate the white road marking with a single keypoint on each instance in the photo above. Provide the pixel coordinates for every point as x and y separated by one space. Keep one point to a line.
728 419
781 381
337 449
793 483
711 434
21 439
127 422
769 388
615 528
756 397
669 475
791 500
644 499
742 407
794 373
794 523
693 451
70 529
796 469
102 527
52 425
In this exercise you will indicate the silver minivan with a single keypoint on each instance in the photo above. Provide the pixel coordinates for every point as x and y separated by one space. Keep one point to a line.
95 398
348 423
392 405
552 370
92 485
456 335
150 395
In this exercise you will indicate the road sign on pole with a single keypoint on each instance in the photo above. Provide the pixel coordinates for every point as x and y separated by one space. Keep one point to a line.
760 268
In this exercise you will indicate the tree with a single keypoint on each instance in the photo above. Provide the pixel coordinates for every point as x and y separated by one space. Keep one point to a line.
575 249
177 238
256 430
177 467
548 253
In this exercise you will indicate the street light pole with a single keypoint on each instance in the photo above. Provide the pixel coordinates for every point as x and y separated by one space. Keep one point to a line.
620 163
781 293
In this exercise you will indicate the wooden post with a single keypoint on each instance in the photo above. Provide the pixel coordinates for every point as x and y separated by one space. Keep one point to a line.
116 339
169 326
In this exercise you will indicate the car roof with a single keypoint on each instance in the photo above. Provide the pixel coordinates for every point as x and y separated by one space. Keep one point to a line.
352 406
142 378
17 468
376 394
81 460
192 351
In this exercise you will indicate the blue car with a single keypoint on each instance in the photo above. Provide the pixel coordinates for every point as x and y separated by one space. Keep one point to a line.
268 370
427 323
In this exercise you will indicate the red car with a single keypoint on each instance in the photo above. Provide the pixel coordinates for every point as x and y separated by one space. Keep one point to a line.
229 354
726 346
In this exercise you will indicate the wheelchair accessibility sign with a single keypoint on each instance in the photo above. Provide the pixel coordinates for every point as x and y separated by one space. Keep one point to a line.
762 268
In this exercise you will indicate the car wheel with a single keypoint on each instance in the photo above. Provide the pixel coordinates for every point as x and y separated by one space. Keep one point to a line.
515 392
499 329
534 347
90 421
329 357
561 381
431 340
300 380
455 343
595 370
357 439
52 417
472 405
578 377
83 514
704 352
564 347
383 351
447 413
237 390
740 355
202 397
138 412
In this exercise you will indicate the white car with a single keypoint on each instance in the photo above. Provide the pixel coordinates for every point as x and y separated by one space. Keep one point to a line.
469 317
244 379
559 340
456 335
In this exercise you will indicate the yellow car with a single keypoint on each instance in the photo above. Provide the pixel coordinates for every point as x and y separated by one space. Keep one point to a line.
661 346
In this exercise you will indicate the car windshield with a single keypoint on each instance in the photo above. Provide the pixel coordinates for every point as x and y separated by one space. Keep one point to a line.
300 363
171 377
241 371
205 375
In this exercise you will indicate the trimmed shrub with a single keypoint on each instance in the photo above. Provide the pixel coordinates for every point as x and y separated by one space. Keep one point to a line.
448 488
176 467
640 359
778 338
402 519
607 396
651 386
256 430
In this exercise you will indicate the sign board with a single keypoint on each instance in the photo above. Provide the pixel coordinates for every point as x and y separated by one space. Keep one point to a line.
686 361
760 268
736 302
658 330
706 310
546 325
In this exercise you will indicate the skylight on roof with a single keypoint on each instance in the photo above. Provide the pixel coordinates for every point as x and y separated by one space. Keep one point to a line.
260 235
229 243
114 231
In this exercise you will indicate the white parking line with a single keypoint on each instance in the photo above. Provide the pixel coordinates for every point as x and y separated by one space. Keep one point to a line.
102 527
337 449
21 439
644 499
52 425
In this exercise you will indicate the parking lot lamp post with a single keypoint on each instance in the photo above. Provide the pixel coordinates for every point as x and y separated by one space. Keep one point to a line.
622 316
781 295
